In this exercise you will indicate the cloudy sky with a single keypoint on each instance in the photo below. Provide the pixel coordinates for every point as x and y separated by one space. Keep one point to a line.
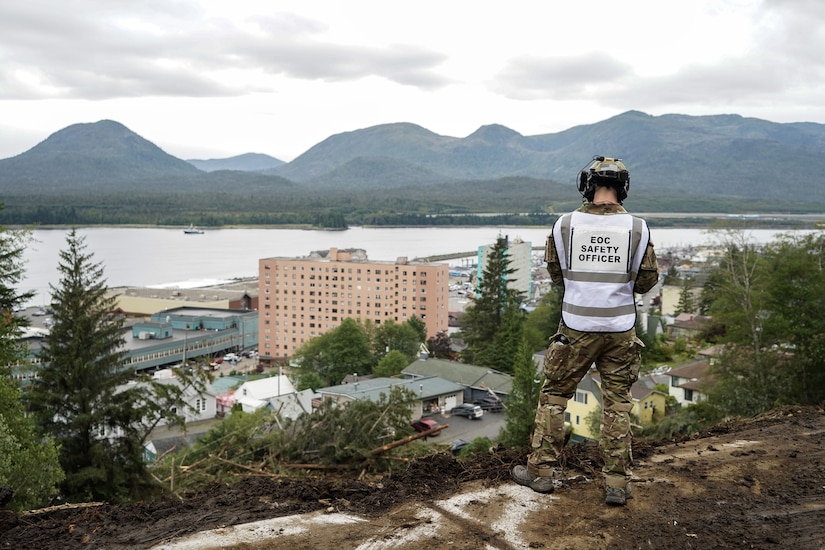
216 78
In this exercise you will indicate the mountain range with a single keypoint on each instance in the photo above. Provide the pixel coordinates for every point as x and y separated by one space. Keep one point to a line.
673 156
708 156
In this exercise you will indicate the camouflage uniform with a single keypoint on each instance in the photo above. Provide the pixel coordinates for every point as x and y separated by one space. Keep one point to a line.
617 356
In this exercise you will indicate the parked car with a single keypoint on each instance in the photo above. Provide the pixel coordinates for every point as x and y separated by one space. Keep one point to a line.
425 424
469 410
490 404
457 444
231 357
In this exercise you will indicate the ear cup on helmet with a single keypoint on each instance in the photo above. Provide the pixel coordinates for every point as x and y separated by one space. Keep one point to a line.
582 184
622 192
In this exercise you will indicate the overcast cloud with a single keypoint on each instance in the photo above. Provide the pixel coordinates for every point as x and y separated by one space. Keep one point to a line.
209 78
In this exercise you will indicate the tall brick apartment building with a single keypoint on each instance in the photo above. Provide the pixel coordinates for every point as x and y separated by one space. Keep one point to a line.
300 298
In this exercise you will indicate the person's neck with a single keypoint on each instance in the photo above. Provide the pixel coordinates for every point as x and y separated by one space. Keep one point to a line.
604 195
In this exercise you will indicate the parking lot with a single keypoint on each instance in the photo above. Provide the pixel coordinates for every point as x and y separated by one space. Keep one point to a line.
461 427
244 366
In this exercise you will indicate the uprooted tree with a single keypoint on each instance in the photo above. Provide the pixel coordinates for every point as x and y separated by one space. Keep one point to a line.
360 434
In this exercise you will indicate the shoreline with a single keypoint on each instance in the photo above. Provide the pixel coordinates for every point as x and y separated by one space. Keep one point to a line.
695 220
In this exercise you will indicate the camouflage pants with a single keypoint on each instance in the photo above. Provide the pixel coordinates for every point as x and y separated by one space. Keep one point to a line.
617 357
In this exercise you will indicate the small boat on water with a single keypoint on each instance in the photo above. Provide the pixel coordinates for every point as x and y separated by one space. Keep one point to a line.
192 230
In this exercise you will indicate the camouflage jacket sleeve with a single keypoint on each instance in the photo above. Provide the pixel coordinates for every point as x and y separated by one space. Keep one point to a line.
648 271
552 259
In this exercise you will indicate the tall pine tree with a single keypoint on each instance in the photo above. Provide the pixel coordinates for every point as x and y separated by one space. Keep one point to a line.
76 397
492 326
686 302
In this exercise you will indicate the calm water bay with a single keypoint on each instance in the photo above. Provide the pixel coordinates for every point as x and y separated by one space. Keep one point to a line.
170 258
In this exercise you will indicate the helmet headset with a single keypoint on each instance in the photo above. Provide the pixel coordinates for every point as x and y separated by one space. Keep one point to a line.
604 172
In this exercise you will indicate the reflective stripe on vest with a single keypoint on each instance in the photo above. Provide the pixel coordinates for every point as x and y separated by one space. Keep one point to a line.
600 257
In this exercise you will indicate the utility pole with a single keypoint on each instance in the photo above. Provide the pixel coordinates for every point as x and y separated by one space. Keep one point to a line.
185 342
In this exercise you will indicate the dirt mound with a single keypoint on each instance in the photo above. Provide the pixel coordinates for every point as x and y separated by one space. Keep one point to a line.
756 483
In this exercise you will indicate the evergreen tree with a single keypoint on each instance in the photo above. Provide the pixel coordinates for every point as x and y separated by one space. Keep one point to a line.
12 245
523 399
671 276
495 302
501 352
76 396
333 434
795 324
686 302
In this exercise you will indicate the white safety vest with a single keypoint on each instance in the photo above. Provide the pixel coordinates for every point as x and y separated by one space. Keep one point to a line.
600 257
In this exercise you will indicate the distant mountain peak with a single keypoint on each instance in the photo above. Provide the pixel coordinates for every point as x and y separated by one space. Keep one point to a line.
78 137
86 153
247 162
494 133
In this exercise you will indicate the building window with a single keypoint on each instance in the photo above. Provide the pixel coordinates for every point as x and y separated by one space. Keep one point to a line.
580 397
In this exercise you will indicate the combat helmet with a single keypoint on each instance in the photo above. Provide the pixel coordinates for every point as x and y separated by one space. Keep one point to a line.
604 171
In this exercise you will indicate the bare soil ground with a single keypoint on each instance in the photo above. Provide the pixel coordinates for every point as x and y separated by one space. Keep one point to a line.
757 483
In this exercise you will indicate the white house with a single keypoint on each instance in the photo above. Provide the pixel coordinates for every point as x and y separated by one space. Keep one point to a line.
688 382
254 394
199 405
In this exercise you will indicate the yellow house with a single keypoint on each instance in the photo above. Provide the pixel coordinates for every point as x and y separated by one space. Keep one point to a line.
648 405
588 398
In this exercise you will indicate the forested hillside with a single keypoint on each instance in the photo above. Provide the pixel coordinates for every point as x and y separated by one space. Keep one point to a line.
103 173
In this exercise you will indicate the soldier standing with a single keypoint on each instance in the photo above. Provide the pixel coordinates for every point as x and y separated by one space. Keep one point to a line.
602 256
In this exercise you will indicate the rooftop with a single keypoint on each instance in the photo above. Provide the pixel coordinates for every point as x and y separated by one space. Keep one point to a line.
373 388
231 290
